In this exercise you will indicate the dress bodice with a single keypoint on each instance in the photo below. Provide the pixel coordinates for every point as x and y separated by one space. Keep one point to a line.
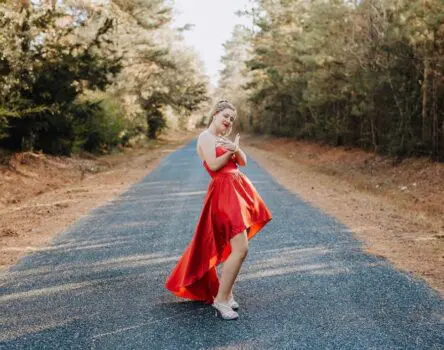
229 167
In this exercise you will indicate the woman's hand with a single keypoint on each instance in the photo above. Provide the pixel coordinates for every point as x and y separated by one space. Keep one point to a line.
236 141
238 155
230 145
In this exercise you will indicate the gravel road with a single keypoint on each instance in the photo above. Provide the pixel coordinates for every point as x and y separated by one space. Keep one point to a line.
306 283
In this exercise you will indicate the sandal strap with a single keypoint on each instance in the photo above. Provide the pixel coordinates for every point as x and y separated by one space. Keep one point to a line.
226 309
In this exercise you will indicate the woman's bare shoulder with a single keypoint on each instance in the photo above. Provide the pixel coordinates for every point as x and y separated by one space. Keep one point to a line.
204 133
205 138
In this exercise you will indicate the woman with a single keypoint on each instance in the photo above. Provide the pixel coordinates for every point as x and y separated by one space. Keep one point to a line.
232 213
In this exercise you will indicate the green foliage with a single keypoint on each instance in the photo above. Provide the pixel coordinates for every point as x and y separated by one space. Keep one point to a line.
181 94
202 122
148 14
43 70
156 123
98 126
161 77
51 60
367 74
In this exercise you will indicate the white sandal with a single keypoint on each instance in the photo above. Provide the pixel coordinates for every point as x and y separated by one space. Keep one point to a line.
233 304
225 311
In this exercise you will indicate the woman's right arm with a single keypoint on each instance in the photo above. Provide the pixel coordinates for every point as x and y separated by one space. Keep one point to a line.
207 145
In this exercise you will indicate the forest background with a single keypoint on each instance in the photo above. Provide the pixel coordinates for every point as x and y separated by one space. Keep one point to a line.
94 74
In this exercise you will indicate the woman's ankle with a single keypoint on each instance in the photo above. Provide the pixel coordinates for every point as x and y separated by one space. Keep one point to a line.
222 299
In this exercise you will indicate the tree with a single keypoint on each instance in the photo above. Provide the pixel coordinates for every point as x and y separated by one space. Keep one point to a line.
365 73
43 69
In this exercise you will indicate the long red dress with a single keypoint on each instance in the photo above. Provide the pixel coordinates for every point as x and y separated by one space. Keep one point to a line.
231 205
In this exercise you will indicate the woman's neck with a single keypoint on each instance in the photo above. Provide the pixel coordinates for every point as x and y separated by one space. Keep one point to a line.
212 130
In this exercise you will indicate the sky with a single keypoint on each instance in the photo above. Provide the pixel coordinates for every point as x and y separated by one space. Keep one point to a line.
213 22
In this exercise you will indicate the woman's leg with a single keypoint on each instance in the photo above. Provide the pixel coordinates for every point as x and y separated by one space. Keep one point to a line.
230 293
231 266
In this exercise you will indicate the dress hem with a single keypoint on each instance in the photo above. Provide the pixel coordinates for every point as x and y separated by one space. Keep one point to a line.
252 229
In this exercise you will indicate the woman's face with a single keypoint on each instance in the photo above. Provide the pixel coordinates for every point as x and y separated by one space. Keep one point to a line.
224 119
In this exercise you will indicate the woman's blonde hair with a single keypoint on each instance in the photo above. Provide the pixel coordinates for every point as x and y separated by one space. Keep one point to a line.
220 106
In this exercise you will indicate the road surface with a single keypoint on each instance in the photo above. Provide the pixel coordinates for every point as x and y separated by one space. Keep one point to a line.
306 283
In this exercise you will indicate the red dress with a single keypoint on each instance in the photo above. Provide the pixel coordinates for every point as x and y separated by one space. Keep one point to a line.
231 205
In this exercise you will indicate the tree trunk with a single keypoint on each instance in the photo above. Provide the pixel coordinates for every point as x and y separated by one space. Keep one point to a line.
435 122
24 5
373 129
424 132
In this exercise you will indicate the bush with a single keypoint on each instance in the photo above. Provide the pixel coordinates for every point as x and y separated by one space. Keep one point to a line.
43 71
99 125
